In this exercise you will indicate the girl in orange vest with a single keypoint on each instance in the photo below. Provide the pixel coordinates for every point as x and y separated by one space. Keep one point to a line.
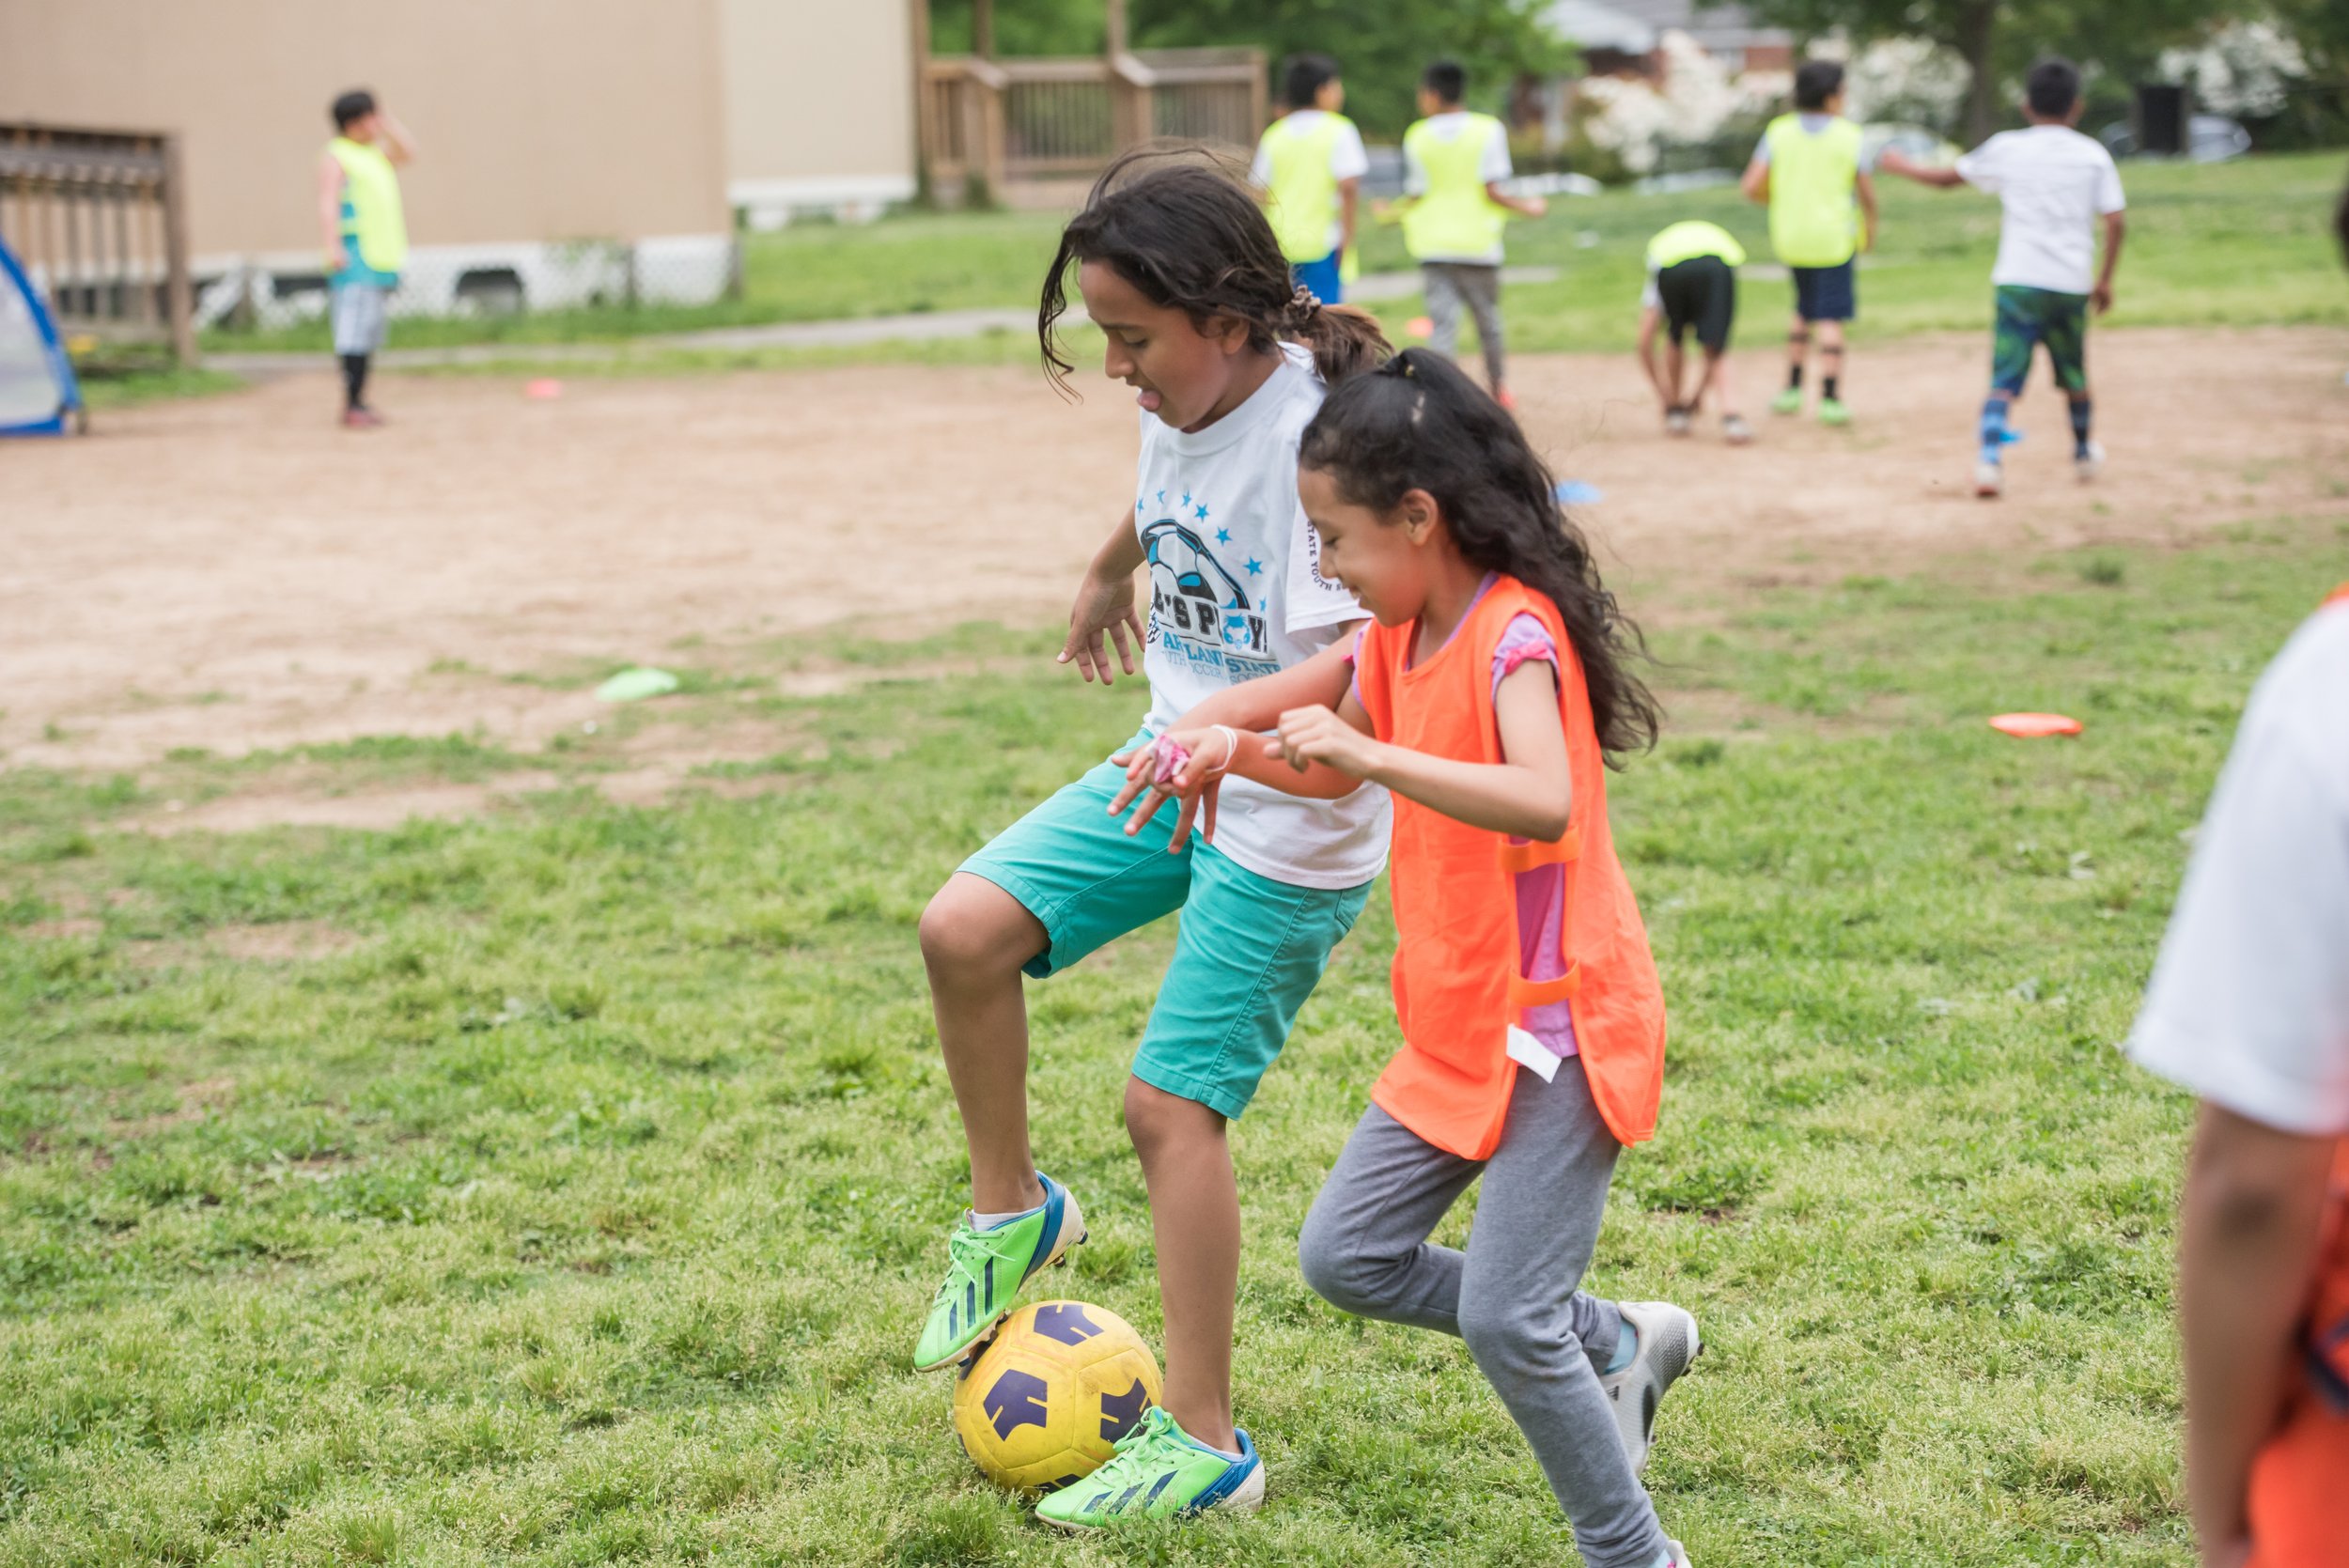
2249 1008
1487 696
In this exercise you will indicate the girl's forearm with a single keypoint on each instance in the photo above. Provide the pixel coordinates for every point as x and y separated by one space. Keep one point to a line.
1260 763
1257 704
1500 796
1120 554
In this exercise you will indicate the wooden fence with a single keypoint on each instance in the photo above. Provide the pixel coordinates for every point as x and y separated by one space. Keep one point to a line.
1024 131
100 220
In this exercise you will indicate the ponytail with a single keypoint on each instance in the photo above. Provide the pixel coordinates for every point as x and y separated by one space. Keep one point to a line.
1418 423
1180 226
1345 341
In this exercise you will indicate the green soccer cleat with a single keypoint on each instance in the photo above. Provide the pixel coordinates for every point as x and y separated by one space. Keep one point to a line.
988 1270
1788 401
1159 1472
1832 411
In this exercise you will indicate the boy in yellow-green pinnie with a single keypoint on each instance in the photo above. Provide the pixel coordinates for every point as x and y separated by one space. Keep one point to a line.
366 237
1813 172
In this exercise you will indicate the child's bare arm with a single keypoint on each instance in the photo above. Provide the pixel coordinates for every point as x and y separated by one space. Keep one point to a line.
2248 1251
1756 183
1649 315
398 146
330 211
1257 704
1531 795
1865 186
2116 226
1105 608
1524 207
1893 161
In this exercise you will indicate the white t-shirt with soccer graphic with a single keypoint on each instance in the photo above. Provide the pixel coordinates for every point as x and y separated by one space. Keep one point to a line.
1235 592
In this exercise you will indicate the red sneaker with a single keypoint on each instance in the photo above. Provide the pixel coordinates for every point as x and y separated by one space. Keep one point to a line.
360 419
1506 398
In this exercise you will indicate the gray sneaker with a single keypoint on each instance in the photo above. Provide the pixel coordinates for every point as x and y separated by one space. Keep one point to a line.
1668 1344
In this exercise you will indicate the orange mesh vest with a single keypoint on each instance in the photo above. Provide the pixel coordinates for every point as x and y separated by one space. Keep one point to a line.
1457 986
2300 1480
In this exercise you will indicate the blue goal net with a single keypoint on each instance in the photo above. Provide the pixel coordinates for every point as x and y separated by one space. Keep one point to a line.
37 391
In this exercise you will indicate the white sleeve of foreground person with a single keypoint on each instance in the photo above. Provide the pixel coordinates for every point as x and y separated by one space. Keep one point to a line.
2250 1002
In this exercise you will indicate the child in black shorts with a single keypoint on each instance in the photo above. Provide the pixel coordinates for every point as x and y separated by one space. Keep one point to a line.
1692 282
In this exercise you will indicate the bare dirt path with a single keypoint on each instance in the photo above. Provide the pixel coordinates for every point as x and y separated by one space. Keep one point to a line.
236 573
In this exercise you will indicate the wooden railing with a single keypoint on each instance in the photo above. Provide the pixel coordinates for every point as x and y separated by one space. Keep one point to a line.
100 220
998 130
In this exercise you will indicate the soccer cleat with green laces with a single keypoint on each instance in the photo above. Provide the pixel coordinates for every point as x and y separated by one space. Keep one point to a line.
1788 401
986 1271
1159 1472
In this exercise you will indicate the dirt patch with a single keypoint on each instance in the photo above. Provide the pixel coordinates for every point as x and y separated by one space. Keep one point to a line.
279 806
238 573
281 941
69 929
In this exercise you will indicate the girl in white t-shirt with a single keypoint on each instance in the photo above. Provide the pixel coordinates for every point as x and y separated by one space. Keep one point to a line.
1180 270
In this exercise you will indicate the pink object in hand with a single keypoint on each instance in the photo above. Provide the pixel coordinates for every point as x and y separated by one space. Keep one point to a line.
1171 758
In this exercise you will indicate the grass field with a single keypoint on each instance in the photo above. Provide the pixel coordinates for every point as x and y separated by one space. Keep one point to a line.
565 1185
2191 226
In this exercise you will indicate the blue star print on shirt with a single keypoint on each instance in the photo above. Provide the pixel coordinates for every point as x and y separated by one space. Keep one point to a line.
1203 511
1222 535
1254 566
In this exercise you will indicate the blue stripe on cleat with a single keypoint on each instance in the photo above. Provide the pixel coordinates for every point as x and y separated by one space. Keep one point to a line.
990 1281
1055 1206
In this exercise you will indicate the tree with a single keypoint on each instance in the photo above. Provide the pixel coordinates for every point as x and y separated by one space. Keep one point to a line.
1999 38
1381 46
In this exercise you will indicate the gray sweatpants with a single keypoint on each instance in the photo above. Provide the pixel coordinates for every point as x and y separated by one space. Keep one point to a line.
1450 284
1513 1296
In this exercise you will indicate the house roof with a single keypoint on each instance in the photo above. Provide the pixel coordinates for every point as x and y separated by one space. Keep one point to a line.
1635 25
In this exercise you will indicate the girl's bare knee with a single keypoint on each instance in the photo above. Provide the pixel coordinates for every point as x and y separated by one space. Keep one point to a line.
1156 1121
972 927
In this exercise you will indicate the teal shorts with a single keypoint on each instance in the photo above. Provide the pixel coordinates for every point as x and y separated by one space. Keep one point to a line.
1248 952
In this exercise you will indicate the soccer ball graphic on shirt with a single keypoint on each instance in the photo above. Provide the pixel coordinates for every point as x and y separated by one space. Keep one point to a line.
1044 1404
1190 590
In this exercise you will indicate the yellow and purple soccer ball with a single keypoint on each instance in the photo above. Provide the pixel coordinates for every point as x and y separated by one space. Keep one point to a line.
1044 1404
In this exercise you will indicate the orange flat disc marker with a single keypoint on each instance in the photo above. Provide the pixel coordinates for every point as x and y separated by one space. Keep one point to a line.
2032 726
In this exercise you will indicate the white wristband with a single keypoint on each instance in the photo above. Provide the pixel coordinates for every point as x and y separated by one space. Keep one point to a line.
1231 748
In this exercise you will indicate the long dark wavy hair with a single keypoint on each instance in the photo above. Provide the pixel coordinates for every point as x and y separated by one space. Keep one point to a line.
1179 227
1418 423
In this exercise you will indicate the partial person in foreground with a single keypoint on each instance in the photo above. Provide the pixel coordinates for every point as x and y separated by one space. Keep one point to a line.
2055 188
1453 213
1488 695
1228 359
2250 1009
366 237
1812 170
1310 166
1692 283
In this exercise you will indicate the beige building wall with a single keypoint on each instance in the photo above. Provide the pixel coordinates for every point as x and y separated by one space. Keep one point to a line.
536 120
819 103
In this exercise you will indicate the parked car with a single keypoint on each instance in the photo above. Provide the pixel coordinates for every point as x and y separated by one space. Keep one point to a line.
2209 139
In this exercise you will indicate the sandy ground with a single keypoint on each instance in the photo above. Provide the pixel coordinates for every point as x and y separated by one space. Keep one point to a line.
237 572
